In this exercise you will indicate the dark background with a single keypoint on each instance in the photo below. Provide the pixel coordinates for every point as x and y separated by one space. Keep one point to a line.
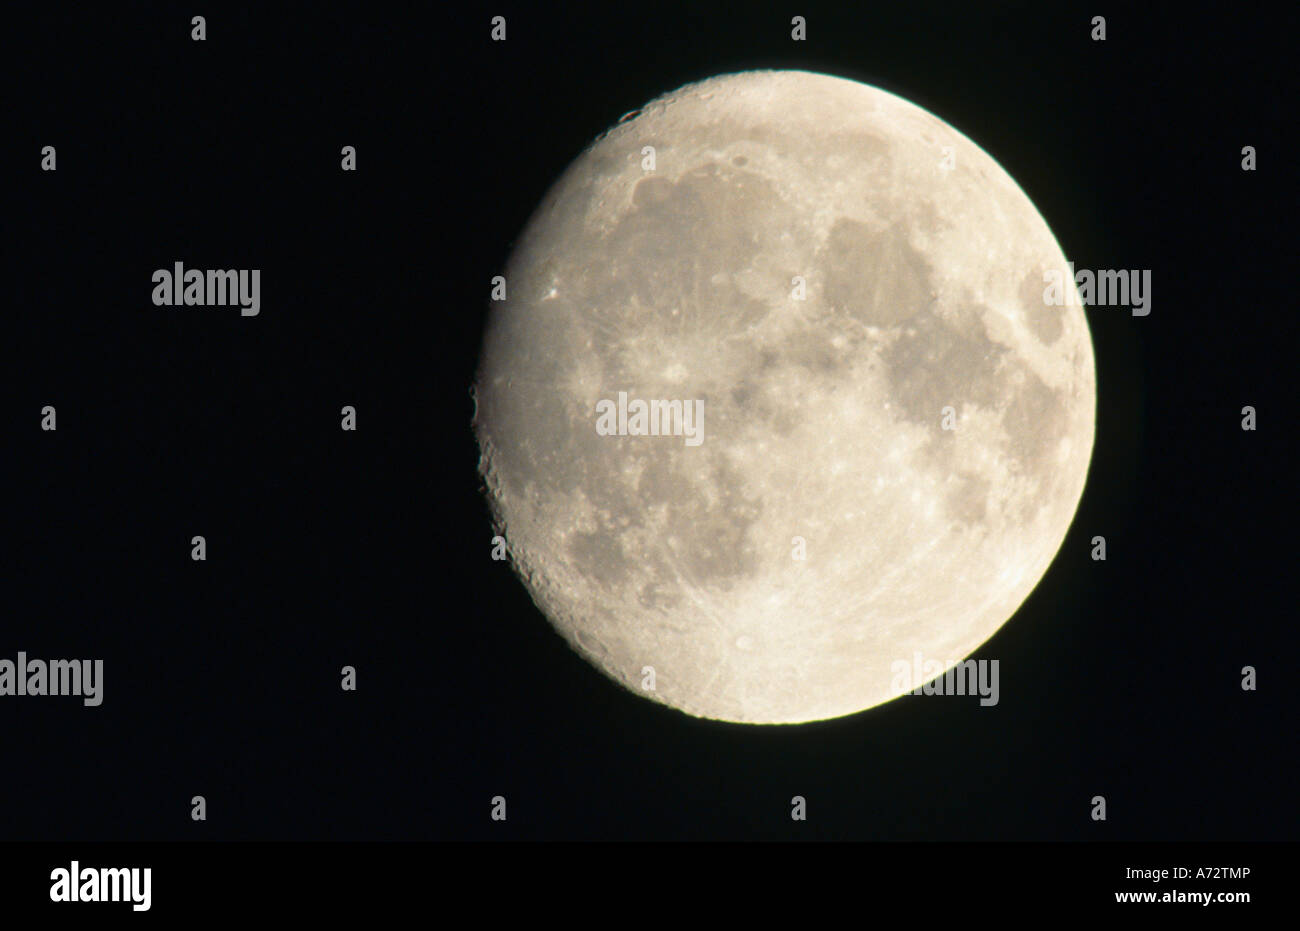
371 548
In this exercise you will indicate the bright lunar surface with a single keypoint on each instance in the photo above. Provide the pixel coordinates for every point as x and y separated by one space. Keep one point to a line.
896 428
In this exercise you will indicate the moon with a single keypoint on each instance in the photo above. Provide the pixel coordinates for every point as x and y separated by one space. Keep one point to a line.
896 426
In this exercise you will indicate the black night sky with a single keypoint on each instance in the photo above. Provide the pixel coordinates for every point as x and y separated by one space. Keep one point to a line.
371 549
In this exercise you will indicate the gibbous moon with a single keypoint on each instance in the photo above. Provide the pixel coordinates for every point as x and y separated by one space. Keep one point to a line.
894 427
